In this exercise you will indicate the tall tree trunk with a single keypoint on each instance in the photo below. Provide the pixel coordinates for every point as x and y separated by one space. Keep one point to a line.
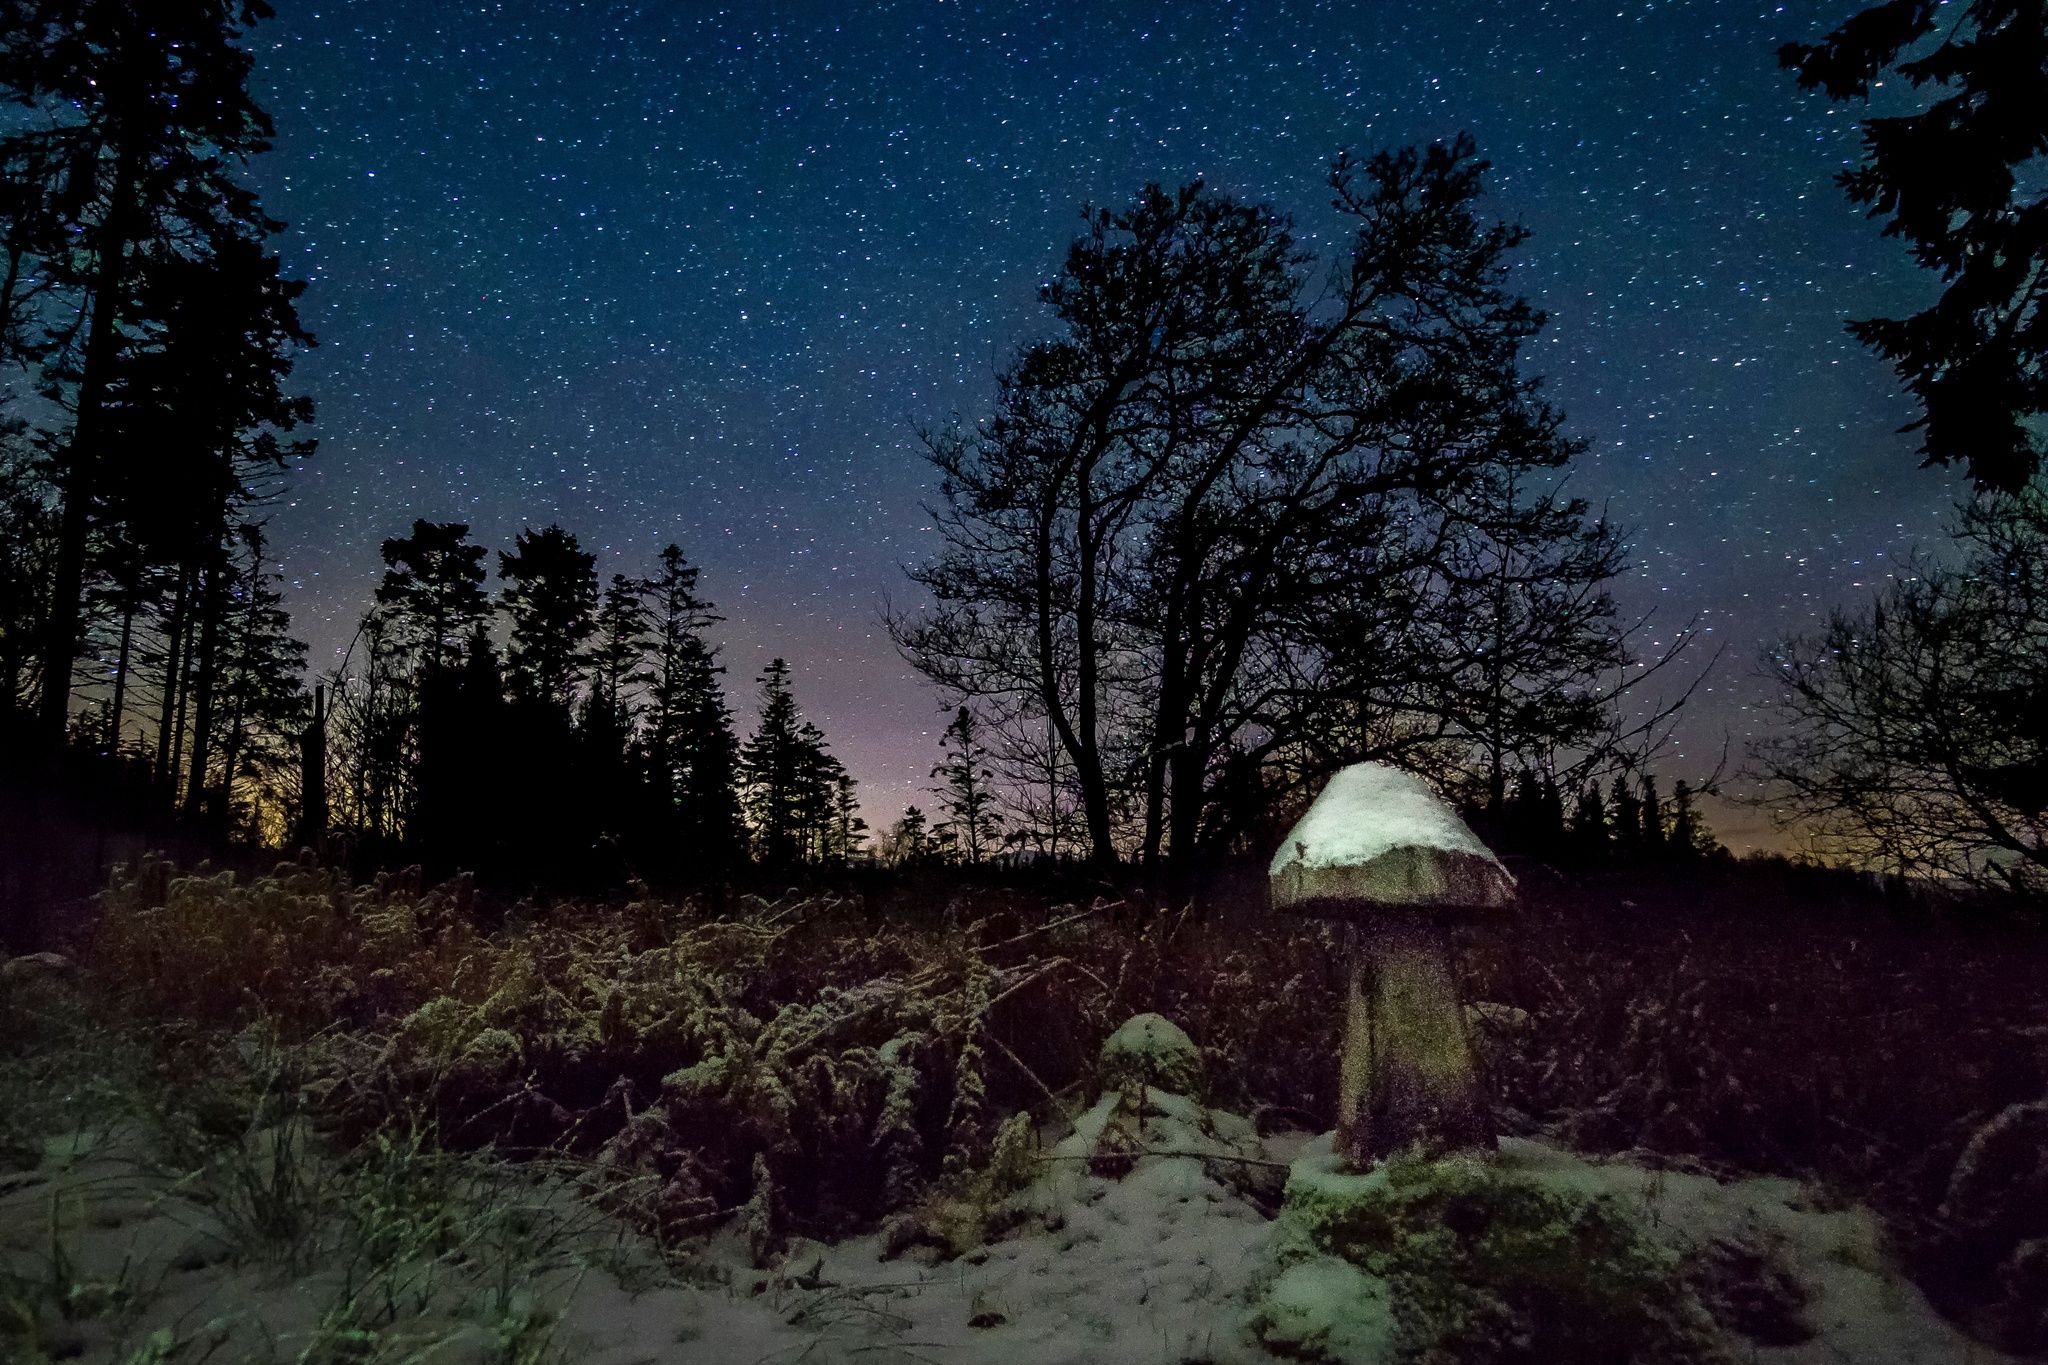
204 671
1188 772
174 642
178 725
81 452
114 709
1088 757
313 774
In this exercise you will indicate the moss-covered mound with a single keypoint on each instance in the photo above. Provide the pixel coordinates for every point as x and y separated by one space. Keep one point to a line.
1459 1261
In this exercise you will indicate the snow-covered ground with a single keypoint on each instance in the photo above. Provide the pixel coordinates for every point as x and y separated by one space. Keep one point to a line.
1157 1256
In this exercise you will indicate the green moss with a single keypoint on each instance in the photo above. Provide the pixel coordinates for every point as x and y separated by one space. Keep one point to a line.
1151 1050
1483 1267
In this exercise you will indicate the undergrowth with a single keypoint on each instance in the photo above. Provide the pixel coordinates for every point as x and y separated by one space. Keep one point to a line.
808 1066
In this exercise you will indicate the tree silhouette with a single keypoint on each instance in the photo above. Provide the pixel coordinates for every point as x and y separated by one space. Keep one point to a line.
967 795
262 698
909 843
120 168
1226 532
1914 734
774 764
1958 179
550 597
693 754
433 590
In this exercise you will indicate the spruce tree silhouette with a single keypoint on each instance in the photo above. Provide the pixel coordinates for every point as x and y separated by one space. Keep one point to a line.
550 598
693 753
1959 180
967 795
135 120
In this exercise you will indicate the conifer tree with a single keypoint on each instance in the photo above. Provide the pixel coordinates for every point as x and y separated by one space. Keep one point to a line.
968 795
1589 824
433 590
618 666
849 831
1688 838
618 662
692 752
1653 816
550 597
775 764
909 842
1626 812
135 120
1953 167
262 698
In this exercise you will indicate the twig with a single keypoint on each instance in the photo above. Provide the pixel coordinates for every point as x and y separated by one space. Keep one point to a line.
1159 1151
1031 1075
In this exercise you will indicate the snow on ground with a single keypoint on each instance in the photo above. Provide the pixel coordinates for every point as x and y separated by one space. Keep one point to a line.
1159 1263
1162 1265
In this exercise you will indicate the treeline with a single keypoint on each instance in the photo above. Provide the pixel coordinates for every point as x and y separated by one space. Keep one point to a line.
1628 822
595 744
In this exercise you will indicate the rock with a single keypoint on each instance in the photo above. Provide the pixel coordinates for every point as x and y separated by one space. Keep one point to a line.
1152 1050
2000 1183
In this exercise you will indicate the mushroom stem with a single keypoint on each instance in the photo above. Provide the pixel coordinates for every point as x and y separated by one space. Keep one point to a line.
1409 1078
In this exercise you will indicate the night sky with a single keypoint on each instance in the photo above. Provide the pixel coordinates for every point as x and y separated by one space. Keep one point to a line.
671 271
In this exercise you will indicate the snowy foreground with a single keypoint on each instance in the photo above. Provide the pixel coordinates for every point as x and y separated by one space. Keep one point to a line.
1167 1265
1118 1253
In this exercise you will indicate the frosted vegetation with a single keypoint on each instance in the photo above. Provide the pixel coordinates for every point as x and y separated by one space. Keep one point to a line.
324 1122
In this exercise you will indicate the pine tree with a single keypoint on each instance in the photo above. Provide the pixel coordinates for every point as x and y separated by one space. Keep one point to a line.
1627 815
550 596
433 590
968 795
618 666
774 766
1957 177
692 752
1653 817
134 120
819 775
1685 826
1589 824
619 660
909 842
262 701
197 423
849 830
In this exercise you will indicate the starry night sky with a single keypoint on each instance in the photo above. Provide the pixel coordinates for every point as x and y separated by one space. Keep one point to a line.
672 271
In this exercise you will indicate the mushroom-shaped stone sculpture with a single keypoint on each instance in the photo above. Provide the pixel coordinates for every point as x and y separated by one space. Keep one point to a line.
1383 853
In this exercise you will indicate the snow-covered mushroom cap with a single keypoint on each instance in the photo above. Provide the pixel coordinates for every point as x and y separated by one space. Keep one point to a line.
1381 836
